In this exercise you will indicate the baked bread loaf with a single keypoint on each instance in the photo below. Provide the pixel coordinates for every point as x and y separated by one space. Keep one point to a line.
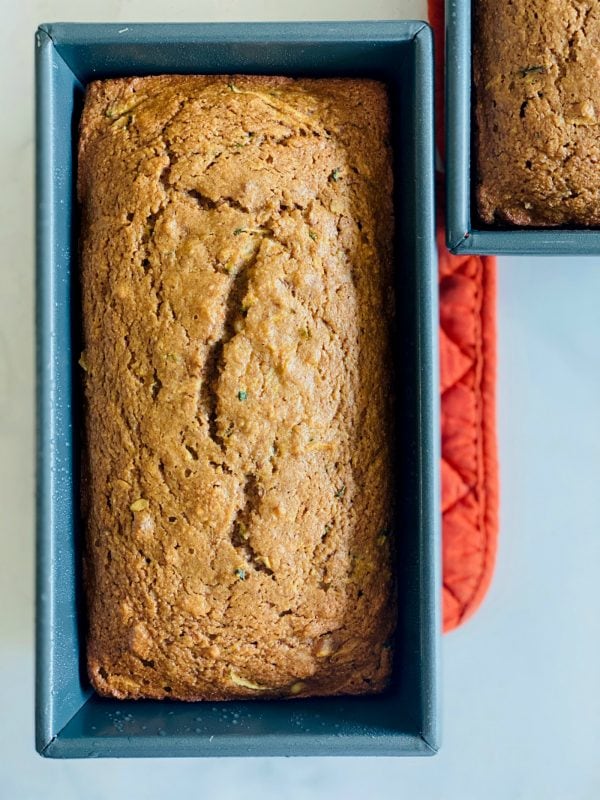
537 108
236 283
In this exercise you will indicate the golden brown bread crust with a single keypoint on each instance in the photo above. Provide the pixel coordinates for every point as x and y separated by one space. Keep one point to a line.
537 107
236 276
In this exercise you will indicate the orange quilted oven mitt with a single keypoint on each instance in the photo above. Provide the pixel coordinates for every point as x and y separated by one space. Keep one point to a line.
468 385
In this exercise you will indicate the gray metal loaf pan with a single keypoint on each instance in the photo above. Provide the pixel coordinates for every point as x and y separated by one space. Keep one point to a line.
464 231
72 721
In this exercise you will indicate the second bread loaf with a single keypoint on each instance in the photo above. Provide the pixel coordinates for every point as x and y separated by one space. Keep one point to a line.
537 106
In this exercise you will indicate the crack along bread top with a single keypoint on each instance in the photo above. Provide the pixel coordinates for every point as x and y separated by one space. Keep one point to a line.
236 284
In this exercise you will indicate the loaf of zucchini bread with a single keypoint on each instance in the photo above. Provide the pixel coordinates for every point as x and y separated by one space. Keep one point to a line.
537 109
236 248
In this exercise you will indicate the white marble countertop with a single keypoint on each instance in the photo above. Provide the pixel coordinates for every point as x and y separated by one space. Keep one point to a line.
521 699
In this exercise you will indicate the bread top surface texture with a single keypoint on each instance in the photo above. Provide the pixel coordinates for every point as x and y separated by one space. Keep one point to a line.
236 288
537 108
